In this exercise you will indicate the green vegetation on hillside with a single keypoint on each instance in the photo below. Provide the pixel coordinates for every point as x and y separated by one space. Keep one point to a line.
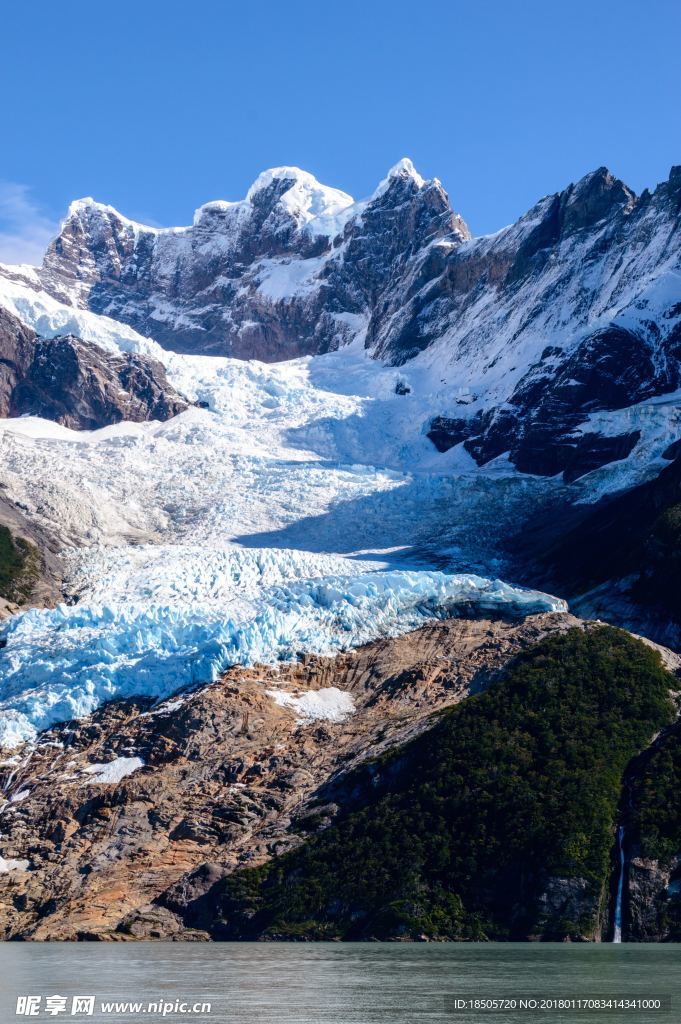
496 823
18 567
661 573
655 816
656 799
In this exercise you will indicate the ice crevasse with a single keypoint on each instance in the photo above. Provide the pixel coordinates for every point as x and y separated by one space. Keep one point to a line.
63 663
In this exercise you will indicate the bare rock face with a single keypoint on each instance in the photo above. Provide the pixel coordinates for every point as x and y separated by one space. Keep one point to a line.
214 780
84 387
17 346
617 560
77 383
571 899
648 896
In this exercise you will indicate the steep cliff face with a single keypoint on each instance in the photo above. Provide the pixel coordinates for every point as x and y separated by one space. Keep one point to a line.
618 559
77 383
84 387
17 347
652 815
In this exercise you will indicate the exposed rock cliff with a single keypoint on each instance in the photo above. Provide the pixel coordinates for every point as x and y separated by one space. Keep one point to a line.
77 383
83 387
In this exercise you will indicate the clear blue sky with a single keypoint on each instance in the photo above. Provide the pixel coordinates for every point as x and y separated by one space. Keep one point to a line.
157 107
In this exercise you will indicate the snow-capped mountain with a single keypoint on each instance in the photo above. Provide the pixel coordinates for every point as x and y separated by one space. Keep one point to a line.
427 354
574 310
295 268
274 464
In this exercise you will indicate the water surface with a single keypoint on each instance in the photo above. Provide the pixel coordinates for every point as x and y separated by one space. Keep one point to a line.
327 983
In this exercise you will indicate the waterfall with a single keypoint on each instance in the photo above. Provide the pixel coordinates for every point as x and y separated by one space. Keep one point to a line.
617 931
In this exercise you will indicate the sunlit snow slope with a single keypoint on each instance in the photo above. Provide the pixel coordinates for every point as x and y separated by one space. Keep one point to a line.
303 509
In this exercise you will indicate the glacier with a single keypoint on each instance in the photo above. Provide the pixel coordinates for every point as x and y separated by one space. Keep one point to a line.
62 663
303 510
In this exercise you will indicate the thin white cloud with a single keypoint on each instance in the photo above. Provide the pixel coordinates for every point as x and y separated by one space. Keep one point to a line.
25 229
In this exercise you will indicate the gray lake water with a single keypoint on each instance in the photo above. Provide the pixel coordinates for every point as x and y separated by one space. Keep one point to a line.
327 983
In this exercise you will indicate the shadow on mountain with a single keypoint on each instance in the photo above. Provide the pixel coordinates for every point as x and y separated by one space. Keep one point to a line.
447 522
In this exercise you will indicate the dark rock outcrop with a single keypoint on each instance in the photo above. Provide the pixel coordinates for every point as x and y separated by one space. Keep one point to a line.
653 900
77 383
619 559
17 347
544 424
81 386
31 570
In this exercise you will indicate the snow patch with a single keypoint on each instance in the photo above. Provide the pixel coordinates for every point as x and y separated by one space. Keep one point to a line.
7 865
283 279
329 704
113 771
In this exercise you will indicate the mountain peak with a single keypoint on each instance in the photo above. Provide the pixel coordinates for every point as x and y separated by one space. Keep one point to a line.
86 207
404 169
89 209
594 197
296 175
300 193
602 179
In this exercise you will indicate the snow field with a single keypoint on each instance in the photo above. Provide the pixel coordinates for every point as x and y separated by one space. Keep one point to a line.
304 510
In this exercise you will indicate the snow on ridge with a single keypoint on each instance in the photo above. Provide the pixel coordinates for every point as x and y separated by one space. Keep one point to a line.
10 864
48 318
88 206
404 168
64 662
113 771
328 704
306 198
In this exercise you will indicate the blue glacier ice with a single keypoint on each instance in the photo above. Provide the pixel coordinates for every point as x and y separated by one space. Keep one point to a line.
64 662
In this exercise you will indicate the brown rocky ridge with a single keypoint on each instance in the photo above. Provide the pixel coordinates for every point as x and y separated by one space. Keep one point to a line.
226 778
